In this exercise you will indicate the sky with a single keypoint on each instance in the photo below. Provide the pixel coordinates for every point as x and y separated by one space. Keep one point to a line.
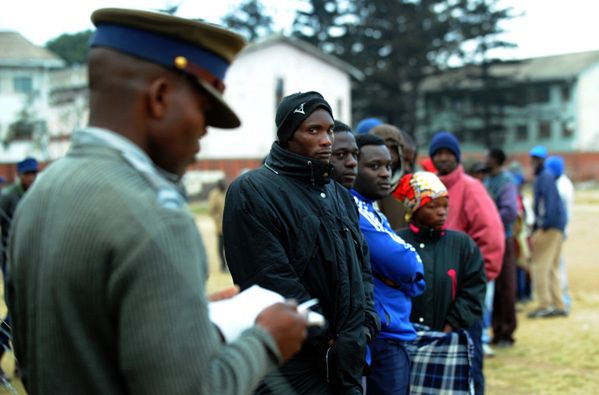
546 27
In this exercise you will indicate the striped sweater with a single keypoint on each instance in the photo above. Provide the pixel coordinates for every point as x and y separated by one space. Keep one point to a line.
106 284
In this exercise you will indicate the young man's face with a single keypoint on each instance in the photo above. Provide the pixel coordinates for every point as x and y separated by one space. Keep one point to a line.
345 159
445 161
314 137
536 163
433 214
491 162
27 179
374 172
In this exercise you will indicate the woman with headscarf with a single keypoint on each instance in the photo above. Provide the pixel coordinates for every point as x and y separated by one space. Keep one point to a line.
453 265
456 286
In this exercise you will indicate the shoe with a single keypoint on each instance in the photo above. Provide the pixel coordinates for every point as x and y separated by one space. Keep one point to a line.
504 344
559 313
488 352
542 313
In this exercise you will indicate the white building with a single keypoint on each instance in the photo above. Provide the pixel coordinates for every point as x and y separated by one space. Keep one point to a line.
24 86
69 107
551 100
262 74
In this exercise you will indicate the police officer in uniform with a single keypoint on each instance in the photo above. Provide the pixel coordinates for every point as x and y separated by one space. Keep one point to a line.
106 266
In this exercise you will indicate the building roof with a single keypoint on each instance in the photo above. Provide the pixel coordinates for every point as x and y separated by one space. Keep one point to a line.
542 69
18 51
304 47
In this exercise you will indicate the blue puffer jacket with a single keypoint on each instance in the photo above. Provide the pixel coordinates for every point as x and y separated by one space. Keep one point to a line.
548 206
397 272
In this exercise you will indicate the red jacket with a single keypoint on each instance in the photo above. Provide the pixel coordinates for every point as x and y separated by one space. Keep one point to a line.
472 211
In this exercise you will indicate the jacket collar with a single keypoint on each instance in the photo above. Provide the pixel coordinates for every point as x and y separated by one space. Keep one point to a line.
450 179
426 233
171 192
360 197
285 162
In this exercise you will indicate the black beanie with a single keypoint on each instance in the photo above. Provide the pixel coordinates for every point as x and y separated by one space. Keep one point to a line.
294 109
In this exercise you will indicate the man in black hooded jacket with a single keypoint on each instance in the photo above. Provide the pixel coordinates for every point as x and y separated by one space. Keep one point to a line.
288 227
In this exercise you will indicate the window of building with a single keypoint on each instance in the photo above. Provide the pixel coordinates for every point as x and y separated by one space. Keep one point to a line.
544 130
22 85
457 103
279 90
522 132
565 94
520 96
542 94
567 130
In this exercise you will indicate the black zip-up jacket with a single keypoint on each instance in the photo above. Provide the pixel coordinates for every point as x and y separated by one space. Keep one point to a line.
289 228
455 278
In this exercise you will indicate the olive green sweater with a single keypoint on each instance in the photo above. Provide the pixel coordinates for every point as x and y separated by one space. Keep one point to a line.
106 285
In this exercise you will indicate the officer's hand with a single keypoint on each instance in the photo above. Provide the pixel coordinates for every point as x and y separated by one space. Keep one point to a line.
286 325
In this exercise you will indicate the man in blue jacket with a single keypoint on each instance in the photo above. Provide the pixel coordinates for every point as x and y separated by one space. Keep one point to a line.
397 271
550 222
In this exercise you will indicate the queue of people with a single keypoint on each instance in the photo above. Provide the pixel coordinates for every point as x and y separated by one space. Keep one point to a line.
106 270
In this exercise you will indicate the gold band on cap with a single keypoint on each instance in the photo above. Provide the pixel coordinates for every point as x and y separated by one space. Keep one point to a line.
182 63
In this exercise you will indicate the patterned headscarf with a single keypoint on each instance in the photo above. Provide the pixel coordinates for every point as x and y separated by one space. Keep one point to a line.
417 189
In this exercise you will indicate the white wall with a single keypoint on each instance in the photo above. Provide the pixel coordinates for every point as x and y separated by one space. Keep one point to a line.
587 97
251 92
11 103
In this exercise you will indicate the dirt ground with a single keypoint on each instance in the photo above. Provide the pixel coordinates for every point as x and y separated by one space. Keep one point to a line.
551 356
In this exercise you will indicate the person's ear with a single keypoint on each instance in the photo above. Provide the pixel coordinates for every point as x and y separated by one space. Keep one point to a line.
159 97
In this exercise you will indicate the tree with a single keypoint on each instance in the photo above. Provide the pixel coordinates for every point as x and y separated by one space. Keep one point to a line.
481 29
72 48
396 44
250 20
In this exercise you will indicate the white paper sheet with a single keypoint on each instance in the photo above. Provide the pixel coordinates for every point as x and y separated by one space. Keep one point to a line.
235 315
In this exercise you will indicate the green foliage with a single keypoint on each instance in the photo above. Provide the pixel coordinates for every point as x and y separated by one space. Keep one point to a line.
250 20
72 48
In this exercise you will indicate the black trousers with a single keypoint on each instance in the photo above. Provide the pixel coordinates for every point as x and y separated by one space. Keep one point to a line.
504 303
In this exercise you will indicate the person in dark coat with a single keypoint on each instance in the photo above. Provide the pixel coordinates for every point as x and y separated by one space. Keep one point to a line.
27 170
503 190
289 228
453 264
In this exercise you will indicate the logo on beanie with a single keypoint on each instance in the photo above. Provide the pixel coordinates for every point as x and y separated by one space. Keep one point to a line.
300 109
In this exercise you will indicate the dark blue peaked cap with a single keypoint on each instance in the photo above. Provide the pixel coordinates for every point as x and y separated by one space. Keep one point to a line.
201 50
27 165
